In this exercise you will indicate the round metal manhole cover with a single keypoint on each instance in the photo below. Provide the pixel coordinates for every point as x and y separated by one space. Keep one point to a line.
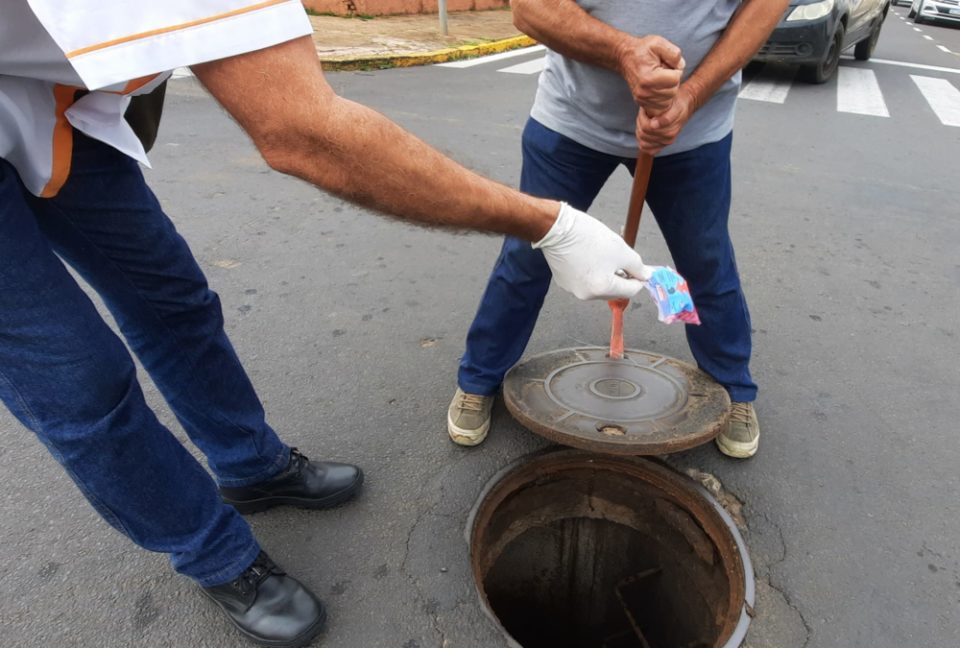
645 404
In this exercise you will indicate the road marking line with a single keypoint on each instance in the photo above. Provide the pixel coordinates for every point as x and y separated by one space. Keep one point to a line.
492 57
858 92
944 49
928 37
773 89
919 66
942 97
527 67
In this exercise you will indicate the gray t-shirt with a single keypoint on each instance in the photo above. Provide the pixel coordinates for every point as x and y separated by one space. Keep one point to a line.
594 106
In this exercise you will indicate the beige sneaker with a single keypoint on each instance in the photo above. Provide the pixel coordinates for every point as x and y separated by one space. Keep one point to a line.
742 436
468 418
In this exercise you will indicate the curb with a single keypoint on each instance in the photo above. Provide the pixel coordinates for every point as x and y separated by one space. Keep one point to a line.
379 62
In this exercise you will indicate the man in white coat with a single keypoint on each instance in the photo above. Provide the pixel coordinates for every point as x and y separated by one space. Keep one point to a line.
71 189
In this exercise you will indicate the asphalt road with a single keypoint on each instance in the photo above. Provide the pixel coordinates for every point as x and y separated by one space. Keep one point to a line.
847 228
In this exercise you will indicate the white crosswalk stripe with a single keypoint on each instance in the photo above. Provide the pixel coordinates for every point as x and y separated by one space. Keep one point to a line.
773 89
858 89
915 66
858 92
480 60
527 67
942 96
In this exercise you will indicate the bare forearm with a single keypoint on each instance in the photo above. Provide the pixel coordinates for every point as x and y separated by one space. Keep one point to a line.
747 31
567 29
361 156
650 65
301 127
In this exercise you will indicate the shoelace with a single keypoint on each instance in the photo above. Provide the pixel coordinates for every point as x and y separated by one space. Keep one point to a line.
297 461
740 413
471 402
255 574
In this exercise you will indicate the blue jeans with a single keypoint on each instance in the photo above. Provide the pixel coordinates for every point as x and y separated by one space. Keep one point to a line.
689 196
67 377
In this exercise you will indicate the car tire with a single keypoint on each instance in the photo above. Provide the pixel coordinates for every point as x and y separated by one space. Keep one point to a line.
911 13
864 49
822 71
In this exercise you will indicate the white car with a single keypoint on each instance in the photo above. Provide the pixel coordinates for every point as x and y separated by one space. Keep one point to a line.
923 10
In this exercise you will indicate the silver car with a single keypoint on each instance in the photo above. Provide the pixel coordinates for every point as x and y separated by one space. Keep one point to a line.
933 10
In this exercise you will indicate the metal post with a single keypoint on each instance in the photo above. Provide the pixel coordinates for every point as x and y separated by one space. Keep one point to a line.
442 10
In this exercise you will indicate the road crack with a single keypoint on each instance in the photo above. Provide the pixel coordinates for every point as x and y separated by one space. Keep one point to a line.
428 606
780 588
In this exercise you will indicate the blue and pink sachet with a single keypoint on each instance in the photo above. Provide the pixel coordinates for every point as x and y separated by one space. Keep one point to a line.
672 296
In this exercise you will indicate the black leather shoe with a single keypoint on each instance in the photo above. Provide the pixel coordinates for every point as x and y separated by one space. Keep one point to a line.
304 483
269 607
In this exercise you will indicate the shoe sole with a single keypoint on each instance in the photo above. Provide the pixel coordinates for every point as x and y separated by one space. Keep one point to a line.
330 501
304 639
737 449
467 438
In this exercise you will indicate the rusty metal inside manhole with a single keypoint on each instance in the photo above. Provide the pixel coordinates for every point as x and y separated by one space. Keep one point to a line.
579 550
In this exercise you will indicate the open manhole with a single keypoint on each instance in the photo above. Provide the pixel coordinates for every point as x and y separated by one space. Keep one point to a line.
574 549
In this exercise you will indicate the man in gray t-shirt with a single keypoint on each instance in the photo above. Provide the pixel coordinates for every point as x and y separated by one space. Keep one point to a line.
662 75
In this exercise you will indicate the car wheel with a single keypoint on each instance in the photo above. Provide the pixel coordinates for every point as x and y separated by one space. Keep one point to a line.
864 48
822 71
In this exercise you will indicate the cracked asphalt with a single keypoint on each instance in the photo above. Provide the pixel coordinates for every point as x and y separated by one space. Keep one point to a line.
351 327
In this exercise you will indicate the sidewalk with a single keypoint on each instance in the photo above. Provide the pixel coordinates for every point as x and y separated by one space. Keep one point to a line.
401 41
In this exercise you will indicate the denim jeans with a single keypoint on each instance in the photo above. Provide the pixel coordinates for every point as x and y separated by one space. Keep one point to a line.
689 196
67 377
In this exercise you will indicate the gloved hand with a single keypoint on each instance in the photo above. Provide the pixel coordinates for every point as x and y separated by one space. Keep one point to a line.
588 259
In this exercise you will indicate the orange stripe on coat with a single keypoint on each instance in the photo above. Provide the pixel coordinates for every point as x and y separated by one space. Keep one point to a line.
172 28
62 142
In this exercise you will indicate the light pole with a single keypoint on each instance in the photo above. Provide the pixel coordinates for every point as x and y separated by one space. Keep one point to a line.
442 10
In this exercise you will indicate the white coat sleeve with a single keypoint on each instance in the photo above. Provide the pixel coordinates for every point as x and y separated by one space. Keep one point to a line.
112 41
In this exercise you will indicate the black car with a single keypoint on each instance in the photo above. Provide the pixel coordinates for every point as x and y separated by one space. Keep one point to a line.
813 33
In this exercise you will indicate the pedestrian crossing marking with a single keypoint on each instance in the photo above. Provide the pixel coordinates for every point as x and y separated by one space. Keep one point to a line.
942 97
480 60
773 89
916 66
527 67
858 89
858 92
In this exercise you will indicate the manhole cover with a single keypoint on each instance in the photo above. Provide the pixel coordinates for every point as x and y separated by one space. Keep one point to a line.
644 404
579 550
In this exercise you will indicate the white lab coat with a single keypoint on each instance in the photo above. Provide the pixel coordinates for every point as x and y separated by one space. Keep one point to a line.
49 49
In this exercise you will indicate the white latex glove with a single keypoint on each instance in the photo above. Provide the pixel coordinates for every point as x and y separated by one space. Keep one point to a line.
588 259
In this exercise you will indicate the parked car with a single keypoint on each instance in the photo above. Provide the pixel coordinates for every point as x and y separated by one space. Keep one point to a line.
933 10
813 33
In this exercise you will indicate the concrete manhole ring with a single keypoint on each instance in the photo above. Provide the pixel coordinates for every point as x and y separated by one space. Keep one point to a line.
572 548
